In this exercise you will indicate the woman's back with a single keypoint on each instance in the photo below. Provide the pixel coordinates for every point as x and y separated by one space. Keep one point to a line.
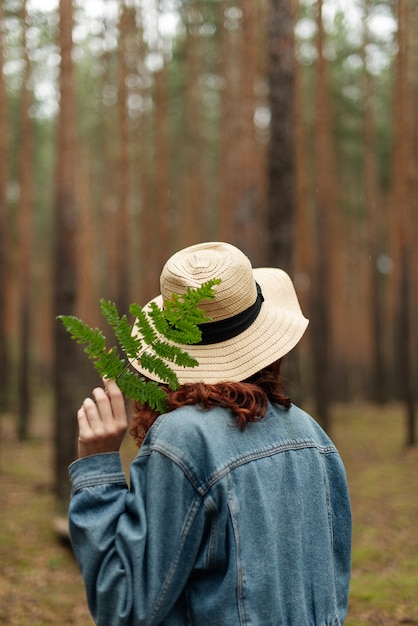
221 526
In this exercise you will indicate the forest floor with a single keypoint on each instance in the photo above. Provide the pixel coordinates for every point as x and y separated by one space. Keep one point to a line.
39 580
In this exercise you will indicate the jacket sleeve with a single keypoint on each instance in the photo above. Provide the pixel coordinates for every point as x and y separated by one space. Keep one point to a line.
135 546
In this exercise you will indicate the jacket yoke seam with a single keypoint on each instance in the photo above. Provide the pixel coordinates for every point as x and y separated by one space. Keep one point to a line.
174 455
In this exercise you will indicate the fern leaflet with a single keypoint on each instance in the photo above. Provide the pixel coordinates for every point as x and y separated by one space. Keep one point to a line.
178 322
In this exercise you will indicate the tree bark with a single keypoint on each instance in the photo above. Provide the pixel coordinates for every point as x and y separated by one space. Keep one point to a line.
228 131
25 242
193 195
66 383
281 173
373 209
162 173
249 223
322 292
281 193
123 226
4 365
403 218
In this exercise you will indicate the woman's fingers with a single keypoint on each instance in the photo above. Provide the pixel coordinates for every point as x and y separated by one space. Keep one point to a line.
103 405
102 422
84 428
117 401
91 412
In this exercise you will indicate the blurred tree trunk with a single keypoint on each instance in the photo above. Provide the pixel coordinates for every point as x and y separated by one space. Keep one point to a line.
248 218
404 212
87 301
303 254
87 244
123 226
228 129
281 193
281 172
109 158
25 240
193 195
148 268
162 173
413 183
321 292
67 382
4 365
374 211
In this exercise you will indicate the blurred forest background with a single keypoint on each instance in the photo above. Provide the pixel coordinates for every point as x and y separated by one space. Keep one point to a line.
132 128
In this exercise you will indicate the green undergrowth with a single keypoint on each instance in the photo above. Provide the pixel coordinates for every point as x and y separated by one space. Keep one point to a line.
382 475
39 580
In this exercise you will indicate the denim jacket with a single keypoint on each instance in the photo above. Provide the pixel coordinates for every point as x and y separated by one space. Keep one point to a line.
217 527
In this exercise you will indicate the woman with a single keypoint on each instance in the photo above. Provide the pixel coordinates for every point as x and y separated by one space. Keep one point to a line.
237 511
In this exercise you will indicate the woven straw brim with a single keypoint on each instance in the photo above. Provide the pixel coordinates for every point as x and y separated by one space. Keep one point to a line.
277 329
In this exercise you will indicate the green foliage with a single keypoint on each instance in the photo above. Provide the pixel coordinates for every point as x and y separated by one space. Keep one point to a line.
177 322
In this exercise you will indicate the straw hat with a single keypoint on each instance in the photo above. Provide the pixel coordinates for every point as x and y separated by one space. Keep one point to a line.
255 315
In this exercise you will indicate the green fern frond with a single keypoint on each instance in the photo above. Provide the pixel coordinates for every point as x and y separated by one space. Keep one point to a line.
82 333
155 365
178 322
136 388
143 324
107 362
183 315
123 331
175 354
184 310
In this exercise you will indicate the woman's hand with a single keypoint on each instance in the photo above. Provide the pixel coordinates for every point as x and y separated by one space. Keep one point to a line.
102 423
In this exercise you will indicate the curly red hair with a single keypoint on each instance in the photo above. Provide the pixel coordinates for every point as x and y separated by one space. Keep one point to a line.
247 400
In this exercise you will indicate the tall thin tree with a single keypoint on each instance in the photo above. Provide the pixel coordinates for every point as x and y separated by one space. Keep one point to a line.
249 218
123 256
281 193
67 382
3 222
321 314
108 157
403 152
25 239
146 237
162 172
303 253
193 197
228 127
281 164
374 212
412 77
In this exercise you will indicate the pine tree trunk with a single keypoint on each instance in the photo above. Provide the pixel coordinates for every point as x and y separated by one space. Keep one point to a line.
162 174
281 172
4 375
228 133
193 196
25 240
412 81
109 158
303 254
149 252
404 217
248 219
321 297
123 227
373 208
281 194
67 382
